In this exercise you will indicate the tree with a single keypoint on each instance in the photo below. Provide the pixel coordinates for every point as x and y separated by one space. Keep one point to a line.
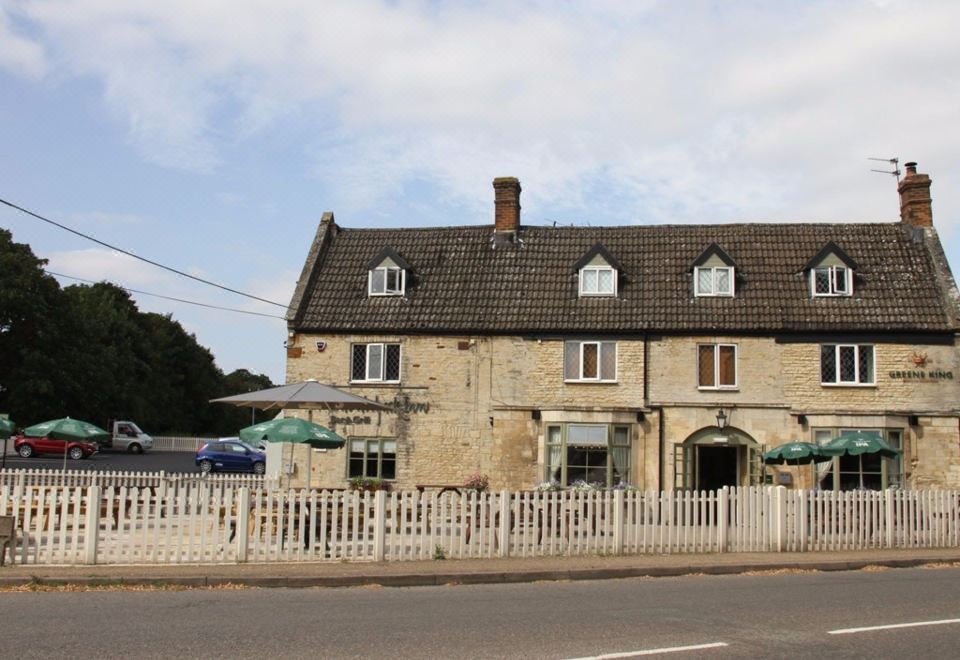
88 352
30 330
232 418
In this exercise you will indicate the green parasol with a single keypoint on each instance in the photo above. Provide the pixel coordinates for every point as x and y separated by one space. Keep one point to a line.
859 443
67 429
7 426
292 429
795 453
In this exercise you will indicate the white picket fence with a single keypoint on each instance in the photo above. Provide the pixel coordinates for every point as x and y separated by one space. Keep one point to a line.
20 478
207 522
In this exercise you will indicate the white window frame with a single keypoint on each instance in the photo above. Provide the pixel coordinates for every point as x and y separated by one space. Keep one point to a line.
857 382
597 379
560 445
597 270
714 277
896 436
387 270
383 362
832 272
716 367
373 457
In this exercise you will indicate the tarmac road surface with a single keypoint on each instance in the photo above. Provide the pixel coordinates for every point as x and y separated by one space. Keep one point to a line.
171 461
792 615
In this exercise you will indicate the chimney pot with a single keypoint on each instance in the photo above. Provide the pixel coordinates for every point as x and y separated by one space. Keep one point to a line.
916 206
506 204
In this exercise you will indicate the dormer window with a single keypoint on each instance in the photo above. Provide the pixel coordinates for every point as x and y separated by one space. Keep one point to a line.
598 273
387 281
598 281
387 274
713 273
831 281
713 280
831 272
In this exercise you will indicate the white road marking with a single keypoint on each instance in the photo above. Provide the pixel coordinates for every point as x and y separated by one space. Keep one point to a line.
848 631
669 649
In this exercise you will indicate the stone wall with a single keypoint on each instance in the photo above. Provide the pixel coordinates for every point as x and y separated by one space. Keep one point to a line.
469 404
464 404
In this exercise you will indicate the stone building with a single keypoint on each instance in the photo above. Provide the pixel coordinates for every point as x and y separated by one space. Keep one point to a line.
660 356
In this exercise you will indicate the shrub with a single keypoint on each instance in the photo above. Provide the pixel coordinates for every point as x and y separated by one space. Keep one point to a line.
548 486
368 484
478 482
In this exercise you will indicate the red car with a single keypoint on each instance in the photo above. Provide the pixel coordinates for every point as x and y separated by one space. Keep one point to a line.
75 449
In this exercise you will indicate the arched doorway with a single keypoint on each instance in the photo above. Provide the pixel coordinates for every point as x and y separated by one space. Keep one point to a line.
712 458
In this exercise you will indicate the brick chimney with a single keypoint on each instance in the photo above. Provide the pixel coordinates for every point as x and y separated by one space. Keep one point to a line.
915 203
506 204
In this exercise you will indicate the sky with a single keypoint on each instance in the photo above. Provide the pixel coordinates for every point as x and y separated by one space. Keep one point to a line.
211 136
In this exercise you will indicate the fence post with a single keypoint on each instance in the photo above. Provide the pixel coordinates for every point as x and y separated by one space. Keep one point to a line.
723 506
242 523
379 525
618 522
504 523
92 525
888 517
780 518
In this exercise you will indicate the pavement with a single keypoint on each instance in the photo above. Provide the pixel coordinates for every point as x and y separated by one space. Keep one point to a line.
468 571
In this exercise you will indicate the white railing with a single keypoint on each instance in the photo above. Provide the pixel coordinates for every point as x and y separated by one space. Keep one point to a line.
174 443
20 478
206 521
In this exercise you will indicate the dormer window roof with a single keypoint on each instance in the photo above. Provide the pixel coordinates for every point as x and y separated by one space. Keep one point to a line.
831 272
714 273
387 274
598 272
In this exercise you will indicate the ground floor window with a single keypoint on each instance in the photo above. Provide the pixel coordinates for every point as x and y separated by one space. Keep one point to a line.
375 458
870 471
589 453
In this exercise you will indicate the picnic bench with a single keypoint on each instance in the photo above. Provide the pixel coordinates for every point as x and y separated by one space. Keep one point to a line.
440 488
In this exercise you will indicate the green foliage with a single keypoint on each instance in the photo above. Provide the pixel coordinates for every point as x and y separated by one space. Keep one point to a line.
88 352
369 484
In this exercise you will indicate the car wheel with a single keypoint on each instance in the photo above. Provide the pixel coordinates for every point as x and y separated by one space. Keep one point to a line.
259 468
135 449
206 466
76 453
25 451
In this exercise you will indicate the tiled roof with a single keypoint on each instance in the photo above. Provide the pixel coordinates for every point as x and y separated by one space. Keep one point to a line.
461 283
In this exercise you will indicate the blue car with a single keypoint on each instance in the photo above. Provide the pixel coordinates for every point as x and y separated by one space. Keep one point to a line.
230 455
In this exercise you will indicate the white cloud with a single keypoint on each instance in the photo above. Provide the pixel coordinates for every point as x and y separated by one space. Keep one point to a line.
104 218
99 265
692 112
18 53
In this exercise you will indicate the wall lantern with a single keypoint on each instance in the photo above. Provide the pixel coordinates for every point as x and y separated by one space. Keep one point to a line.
721 420
802 420
641 416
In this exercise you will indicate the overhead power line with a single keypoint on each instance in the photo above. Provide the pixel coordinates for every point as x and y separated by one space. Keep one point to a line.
136 256
180 300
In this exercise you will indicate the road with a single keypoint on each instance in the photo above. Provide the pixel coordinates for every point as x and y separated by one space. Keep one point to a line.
171 461
763 616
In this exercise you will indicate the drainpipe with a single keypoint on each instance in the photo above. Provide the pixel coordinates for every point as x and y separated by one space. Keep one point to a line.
661 441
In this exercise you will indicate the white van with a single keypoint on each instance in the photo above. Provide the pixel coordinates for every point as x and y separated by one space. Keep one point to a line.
127 436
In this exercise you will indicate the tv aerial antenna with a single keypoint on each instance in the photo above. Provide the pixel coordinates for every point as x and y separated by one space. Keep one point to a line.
895 162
